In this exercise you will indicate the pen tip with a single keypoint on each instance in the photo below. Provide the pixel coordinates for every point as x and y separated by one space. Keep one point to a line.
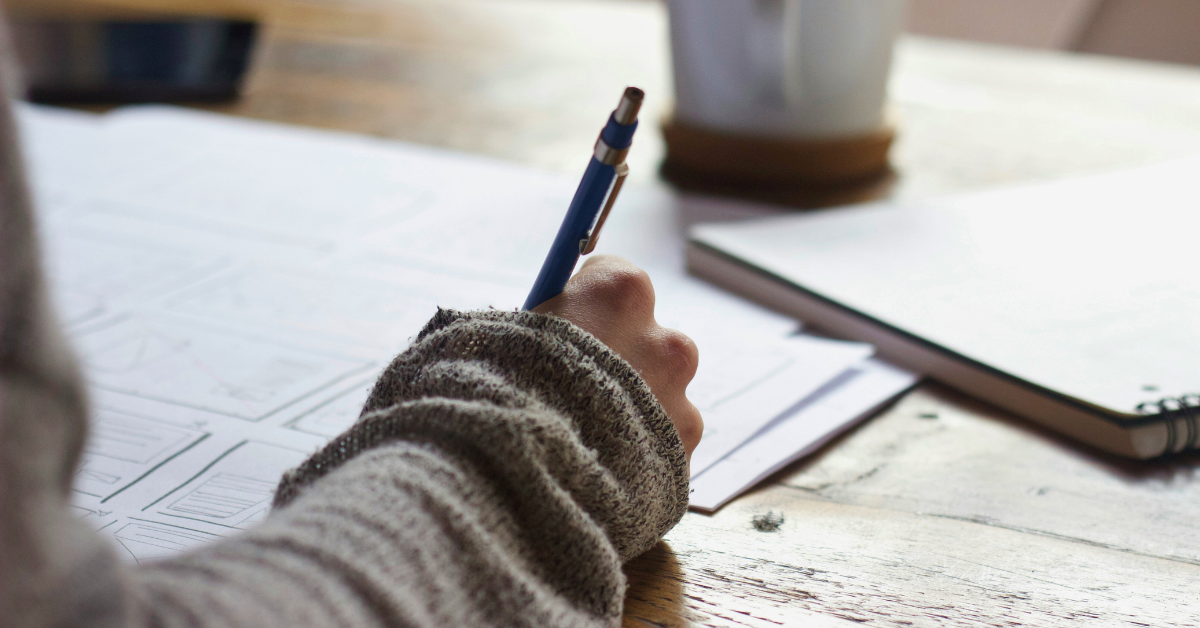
627 109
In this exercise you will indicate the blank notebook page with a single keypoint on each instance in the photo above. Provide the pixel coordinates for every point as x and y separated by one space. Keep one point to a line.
1089 287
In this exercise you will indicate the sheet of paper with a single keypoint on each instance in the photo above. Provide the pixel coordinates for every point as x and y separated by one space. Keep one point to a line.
233 289
815 421
748 384
477 218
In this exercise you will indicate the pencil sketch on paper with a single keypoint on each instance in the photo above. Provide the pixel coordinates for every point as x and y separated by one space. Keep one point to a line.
92 278
244 190
146 540
367 303
335 415
231 287
91 517
361 310
235 490
122 449
232 498
221 372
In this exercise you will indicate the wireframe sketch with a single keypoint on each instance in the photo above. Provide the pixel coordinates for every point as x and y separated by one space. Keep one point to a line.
276 185
335 415
95 518
146 540
89 278
221 372
371 310
82 513
235 490
121 449
226 496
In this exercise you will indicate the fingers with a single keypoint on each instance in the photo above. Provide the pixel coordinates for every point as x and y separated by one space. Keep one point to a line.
609 298
620 288
614 301
689 423
679 357
669 369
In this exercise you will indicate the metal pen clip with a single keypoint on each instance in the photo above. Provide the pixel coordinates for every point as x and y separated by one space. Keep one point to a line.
588 244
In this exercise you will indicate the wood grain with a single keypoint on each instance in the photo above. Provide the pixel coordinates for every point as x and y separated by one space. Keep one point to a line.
885 567
939 512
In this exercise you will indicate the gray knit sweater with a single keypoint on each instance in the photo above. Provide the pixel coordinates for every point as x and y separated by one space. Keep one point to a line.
504 468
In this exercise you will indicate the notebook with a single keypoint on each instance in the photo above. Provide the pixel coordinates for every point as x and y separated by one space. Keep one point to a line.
1074 303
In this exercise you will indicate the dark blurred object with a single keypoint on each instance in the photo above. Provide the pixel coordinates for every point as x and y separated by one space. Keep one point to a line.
177 60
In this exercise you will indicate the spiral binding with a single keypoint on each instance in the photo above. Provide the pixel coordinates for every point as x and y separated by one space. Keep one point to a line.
1186 407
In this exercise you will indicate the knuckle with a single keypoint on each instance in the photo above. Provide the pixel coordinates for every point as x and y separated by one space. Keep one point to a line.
628 288
680 354
690 425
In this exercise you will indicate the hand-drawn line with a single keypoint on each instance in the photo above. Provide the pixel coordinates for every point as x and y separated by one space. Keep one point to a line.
223 496
94 326
82 513
146 335
330 384
284 373
91 517
252 417
95 476
155 467
160 535
200 473
301 422
132 439
211 372
712 405
142 345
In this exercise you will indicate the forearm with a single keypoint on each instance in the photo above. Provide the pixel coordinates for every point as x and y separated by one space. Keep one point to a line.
398 536
508 465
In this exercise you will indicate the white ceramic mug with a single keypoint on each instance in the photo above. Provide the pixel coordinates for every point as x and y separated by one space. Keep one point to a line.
783 68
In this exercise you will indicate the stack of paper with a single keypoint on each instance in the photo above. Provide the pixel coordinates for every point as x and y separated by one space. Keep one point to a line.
234 287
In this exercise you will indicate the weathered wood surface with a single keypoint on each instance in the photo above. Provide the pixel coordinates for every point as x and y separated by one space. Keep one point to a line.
890 568
940 511
940 454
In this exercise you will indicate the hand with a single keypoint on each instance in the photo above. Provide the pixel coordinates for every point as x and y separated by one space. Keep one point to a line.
614 301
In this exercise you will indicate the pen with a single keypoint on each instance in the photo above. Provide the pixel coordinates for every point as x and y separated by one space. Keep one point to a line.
599 187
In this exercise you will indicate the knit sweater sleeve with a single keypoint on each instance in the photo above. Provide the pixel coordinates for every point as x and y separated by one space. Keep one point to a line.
504 467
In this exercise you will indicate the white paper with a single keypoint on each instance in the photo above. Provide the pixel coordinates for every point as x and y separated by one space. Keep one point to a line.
814 422
747 385
234 288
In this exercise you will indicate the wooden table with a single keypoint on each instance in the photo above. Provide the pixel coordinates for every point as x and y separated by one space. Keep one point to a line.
939 511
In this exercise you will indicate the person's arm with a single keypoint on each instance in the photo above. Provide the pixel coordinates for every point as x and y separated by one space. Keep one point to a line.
506 465
509 464
48 561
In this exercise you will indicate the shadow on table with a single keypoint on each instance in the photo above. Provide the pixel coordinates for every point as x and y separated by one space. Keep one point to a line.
1168 468
655 594
1178 467
1175 468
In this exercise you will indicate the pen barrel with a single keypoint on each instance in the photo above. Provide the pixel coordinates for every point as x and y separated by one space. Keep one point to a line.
564 253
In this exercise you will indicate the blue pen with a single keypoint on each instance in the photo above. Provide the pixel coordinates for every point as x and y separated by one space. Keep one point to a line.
601 182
